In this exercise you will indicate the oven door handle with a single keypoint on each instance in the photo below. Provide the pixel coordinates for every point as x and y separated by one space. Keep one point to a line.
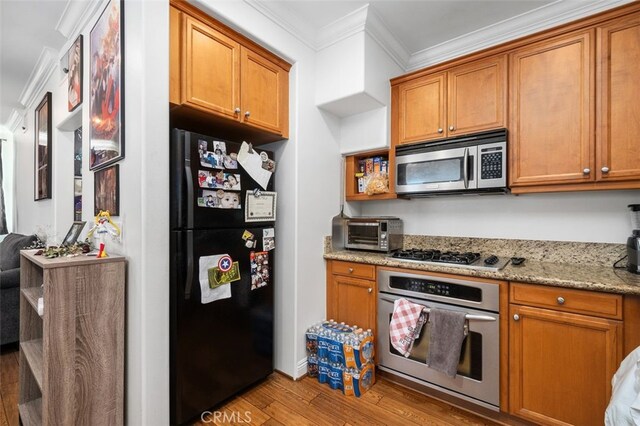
469 317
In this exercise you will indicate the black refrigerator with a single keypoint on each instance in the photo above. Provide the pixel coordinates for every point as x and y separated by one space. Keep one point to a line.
218 347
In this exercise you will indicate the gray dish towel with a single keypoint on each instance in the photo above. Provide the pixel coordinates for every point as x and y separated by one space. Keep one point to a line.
445 342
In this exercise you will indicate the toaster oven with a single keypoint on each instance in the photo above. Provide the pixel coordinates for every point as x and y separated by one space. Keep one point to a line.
383 234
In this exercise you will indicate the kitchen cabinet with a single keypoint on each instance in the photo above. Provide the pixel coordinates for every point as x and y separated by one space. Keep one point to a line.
218 73
551 130
618 150
564 347
352 174
465 99
351 293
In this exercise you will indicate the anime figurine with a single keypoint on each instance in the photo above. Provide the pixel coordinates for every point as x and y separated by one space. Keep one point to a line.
103 226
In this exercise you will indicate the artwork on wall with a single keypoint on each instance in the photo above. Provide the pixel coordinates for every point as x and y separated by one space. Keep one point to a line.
74 76
106 110
77 199
107 191
77 173
42 132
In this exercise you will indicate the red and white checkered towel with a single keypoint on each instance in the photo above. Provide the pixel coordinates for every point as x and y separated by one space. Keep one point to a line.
406 323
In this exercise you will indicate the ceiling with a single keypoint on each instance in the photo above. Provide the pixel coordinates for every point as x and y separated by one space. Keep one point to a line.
28 27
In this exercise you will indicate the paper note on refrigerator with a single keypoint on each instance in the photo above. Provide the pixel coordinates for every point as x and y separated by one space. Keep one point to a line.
219 291
252 163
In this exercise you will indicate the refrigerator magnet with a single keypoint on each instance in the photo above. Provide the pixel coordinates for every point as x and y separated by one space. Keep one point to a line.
262 208
211 160
259 269
219 199
218 277
209 293
268 239
252 163
218 180
225 263
246 235
230 161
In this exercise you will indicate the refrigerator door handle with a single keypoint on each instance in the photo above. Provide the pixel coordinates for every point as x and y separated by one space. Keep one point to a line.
189 280
187 175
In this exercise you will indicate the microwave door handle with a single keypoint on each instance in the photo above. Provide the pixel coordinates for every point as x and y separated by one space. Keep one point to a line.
465 168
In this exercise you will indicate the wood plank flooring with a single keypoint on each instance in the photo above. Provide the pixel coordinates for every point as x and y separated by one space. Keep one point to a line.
281 401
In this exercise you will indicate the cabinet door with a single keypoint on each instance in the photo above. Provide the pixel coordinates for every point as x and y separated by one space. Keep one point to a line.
175 20
619 113
264 92
211 64
551 111
561 365
422 109
353 301
477 96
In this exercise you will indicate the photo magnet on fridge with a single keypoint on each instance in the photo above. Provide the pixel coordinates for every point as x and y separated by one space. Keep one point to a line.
268 239
218 180
259 269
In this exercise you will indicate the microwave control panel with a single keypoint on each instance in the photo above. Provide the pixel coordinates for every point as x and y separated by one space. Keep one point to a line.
491 163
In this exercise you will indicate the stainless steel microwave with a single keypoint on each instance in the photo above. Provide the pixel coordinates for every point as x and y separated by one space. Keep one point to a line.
463 165
374 233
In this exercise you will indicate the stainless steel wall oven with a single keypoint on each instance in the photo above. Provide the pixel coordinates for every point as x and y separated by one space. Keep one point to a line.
478 374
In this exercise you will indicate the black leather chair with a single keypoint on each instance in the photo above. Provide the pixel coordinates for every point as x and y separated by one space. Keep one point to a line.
10 285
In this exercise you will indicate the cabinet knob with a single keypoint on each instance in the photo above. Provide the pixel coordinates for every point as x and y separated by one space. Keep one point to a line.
516 317
370 290
452 128
351 270
560 300
605 169
247 114
237 110
586 171
440 130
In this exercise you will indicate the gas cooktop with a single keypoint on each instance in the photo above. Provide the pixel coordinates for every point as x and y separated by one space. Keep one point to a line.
467 260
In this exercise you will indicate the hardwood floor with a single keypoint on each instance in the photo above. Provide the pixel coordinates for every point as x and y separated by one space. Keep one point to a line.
281 401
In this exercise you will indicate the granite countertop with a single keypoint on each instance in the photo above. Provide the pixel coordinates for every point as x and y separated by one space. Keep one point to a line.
580 276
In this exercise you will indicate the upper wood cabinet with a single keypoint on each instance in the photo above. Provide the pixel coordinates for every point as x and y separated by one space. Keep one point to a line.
216 71
465 99
551 125
618 136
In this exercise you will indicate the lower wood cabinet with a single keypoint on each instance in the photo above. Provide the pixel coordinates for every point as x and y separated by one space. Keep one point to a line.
561 363
350 297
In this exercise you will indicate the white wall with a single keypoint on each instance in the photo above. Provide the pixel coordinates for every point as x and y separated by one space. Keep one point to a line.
8 180
593 216
143 198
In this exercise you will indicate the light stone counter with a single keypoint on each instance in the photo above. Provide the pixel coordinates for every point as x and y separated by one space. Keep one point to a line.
593 272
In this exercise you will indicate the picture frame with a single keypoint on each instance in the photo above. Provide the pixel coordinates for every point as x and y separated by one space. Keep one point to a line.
42 147
73 234
74 74
106 87
106 190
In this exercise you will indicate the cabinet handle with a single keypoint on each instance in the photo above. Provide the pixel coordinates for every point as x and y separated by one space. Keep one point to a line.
452 128
440 130
586 171
237 110
605 169
516 317
247 114
370 290
560 300
351 270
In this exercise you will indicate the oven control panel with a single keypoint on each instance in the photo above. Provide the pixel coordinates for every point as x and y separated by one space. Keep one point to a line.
425 286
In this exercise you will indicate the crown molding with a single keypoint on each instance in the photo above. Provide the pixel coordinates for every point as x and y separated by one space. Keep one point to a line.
14 120
379 31
46 64
287 20
544 17
342 28
76 16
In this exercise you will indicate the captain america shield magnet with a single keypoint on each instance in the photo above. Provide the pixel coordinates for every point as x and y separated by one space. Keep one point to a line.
225 263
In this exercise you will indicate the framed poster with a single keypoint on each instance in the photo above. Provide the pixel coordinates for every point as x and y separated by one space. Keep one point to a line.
42 131
74 75
106 190
106 109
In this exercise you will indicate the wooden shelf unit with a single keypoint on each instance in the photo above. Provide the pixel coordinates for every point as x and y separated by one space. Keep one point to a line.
351 181
72 357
